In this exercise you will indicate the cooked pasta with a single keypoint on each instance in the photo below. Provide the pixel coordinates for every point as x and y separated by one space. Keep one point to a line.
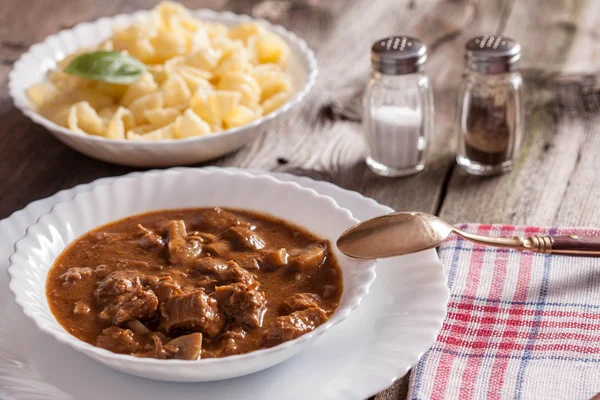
202 77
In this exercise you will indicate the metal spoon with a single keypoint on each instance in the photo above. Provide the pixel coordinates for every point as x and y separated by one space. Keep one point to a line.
409 232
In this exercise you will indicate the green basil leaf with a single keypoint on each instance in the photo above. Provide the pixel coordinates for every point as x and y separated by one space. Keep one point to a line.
107 66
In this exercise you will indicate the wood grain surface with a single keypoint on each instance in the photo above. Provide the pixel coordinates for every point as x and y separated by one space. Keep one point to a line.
555 181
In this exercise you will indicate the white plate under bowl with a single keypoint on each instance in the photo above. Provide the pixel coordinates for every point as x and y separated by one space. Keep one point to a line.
378 343
160 190
42 57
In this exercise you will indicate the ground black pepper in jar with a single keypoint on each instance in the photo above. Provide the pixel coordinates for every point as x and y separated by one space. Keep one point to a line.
489 106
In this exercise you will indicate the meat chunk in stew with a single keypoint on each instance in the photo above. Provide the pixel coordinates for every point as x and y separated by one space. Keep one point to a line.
243 238
210 265
102 271
218 248
216 220
82 308
294 325
75 274
243 304
248 261
125 295
193 311
167 288
150 239
206 283
268 260
232 341
236 274
225 272
299 302
153 348
118 340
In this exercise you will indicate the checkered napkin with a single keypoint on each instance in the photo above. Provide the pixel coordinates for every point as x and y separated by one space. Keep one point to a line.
519 325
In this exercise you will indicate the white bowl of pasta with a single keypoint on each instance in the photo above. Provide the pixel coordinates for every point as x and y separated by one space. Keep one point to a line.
213 82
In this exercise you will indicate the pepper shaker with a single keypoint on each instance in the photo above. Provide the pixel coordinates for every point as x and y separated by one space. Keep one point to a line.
489 106
398 107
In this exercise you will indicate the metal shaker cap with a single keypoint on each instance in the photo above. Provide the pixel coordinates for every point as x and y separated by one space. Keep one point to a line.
398 55
491 54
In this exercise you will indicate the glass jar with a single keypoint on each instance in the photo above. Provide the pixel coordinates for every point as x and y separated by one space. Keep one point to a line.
489 106
398 107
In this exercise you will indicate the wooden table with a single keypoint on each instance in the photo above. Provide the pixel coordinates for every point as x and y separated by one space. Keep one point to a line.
556 178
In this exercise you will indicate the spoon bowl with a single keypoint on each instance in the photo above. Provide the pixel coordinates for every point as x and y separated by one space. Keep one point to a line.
393 235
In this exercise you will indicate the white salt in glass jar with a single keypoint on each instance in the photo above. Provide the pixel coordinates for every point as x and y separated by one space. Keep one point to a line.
398 107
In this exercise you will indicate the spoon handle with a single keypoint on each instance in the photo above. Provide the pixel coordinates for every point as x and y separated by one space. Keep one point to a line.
576 245
568 244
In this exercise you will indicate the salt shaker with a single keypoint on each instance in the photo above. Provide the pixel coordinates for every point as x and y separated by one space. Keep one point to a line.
398 107
489 106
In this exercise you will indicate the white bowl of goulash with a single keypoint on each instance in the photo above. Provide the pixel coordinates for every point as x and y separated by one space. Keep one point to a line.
189 276
163 87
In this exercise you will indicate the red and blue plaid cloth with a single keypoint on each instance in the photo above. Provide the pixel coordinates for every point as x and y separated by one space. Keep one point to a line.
519 325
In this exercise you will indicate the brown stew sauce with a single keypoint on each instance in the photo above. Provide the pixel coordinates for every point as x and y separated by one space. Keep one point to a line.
194 283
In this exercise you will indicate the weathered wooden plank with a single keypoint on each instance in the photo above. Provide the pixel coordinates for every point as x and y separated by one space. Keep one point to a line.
555 180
